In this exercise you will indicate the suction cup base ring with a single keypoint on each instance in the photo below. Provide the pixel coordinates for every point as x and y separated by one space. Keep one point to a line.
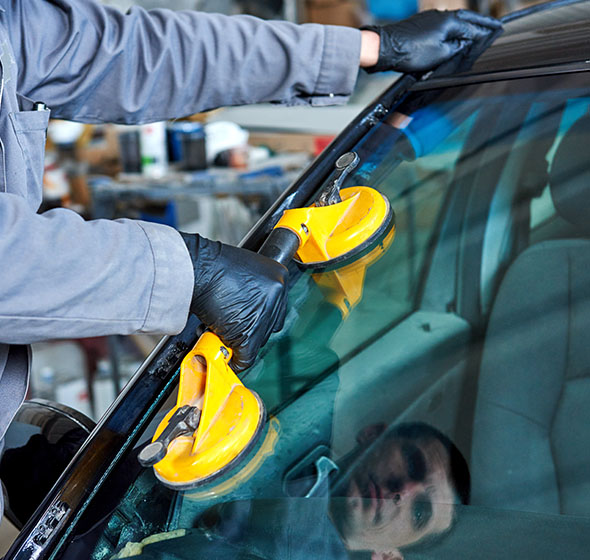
231 464
356 252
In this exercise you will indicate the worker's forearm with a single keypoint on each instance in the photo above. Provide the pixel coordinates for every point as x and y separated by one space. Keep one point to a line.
93 63
369 48
66 278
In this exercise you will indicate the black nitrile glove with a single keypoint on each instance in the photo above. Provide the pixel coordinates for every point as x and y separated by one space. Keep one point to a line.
427 39
240 295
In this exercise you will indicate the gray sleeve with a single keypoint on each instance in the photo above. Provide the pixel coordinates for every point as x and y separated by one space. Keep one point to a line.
64 277
92 63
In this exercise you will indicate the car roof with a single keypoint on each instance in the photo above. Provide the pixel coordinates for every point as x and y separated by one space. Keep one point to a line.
555 35
546 35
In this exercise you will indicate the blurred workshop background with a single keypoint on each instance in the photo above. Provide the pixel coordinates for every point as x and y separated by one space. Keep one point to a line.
213 173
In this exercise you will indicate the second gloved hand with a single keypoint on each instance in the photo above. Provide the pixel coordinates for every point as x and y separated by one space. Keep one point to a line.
240 295
427 39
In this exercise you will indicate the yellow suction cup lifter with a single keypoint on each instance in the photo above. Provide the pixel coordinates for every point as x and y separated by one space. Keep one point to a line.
342 225
217 420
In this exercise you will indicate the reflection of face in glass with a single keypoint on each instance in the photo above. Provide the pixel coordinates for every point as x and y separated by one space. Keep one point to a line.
398 494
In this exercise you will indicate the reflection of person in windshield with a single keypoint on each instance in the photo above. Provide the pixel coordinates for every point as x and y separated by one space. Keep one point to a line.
399 488
397 491
401 491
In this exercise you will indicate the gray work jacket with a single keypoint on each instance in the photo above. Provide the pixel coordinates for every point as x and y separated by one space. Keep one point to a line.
63 277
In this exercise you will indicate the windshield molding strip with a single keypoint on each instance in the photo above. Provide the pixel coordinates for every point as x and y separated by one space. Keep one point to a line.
435 83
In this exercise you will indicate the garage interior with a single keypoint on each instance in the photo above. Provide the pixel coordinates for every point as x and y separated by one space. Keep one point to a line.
212 173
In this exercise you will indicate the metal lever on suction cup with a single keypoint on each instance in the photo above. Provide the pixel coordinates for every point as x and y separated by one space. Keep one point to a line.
344 165
283 243
184 422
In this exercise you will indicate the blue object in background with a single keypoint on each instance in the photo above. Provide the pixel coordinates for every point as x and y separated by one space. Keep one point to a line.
186 145
392 9
168 217
428 128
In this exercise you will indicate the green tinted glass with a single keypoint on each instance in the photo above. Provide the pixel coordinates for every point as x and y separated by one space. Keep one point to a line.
377 414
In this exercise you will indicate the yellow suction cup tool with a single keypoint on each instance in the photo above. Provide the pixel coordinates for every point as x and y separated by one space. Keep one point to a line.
331 235
215 421
343 225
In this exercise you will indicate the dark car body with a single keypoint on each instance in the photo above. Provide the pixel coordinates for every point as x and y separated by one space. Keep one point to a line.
548 45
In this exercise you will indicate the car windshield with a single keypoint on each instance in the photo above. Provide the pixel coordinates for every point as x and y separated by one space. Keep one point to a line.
443 404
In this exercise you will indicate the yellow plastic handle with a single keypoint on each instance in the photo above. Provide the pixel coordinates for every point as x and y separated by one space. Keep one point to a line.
231 416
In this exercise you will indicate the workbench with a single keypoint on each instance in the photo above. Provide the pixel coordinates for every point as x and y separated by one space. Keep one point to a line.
188 201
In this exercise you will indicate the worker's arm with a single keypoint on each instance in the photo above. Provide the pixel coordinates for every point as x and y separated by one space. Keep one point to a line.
63 277
93 63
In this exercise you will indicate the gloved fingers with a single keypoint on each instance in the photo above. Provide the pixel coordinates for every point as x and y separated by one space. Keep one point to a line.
453 46
238 366
462 35
274 322
429 38
435 53
245 352
241 362
468 33
280 317
492 24
244 356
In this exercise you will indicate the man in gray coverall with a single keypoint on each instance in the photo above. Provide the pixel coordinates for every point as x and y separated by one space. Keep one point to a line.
63 277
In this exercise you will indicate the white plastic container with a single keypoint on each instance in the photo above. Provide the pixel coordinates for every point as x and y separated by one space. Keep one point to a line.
152 145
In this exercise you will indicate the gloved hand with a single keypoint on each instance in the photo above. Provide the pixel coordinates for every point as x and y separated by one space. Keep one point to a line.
427 39
239 295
